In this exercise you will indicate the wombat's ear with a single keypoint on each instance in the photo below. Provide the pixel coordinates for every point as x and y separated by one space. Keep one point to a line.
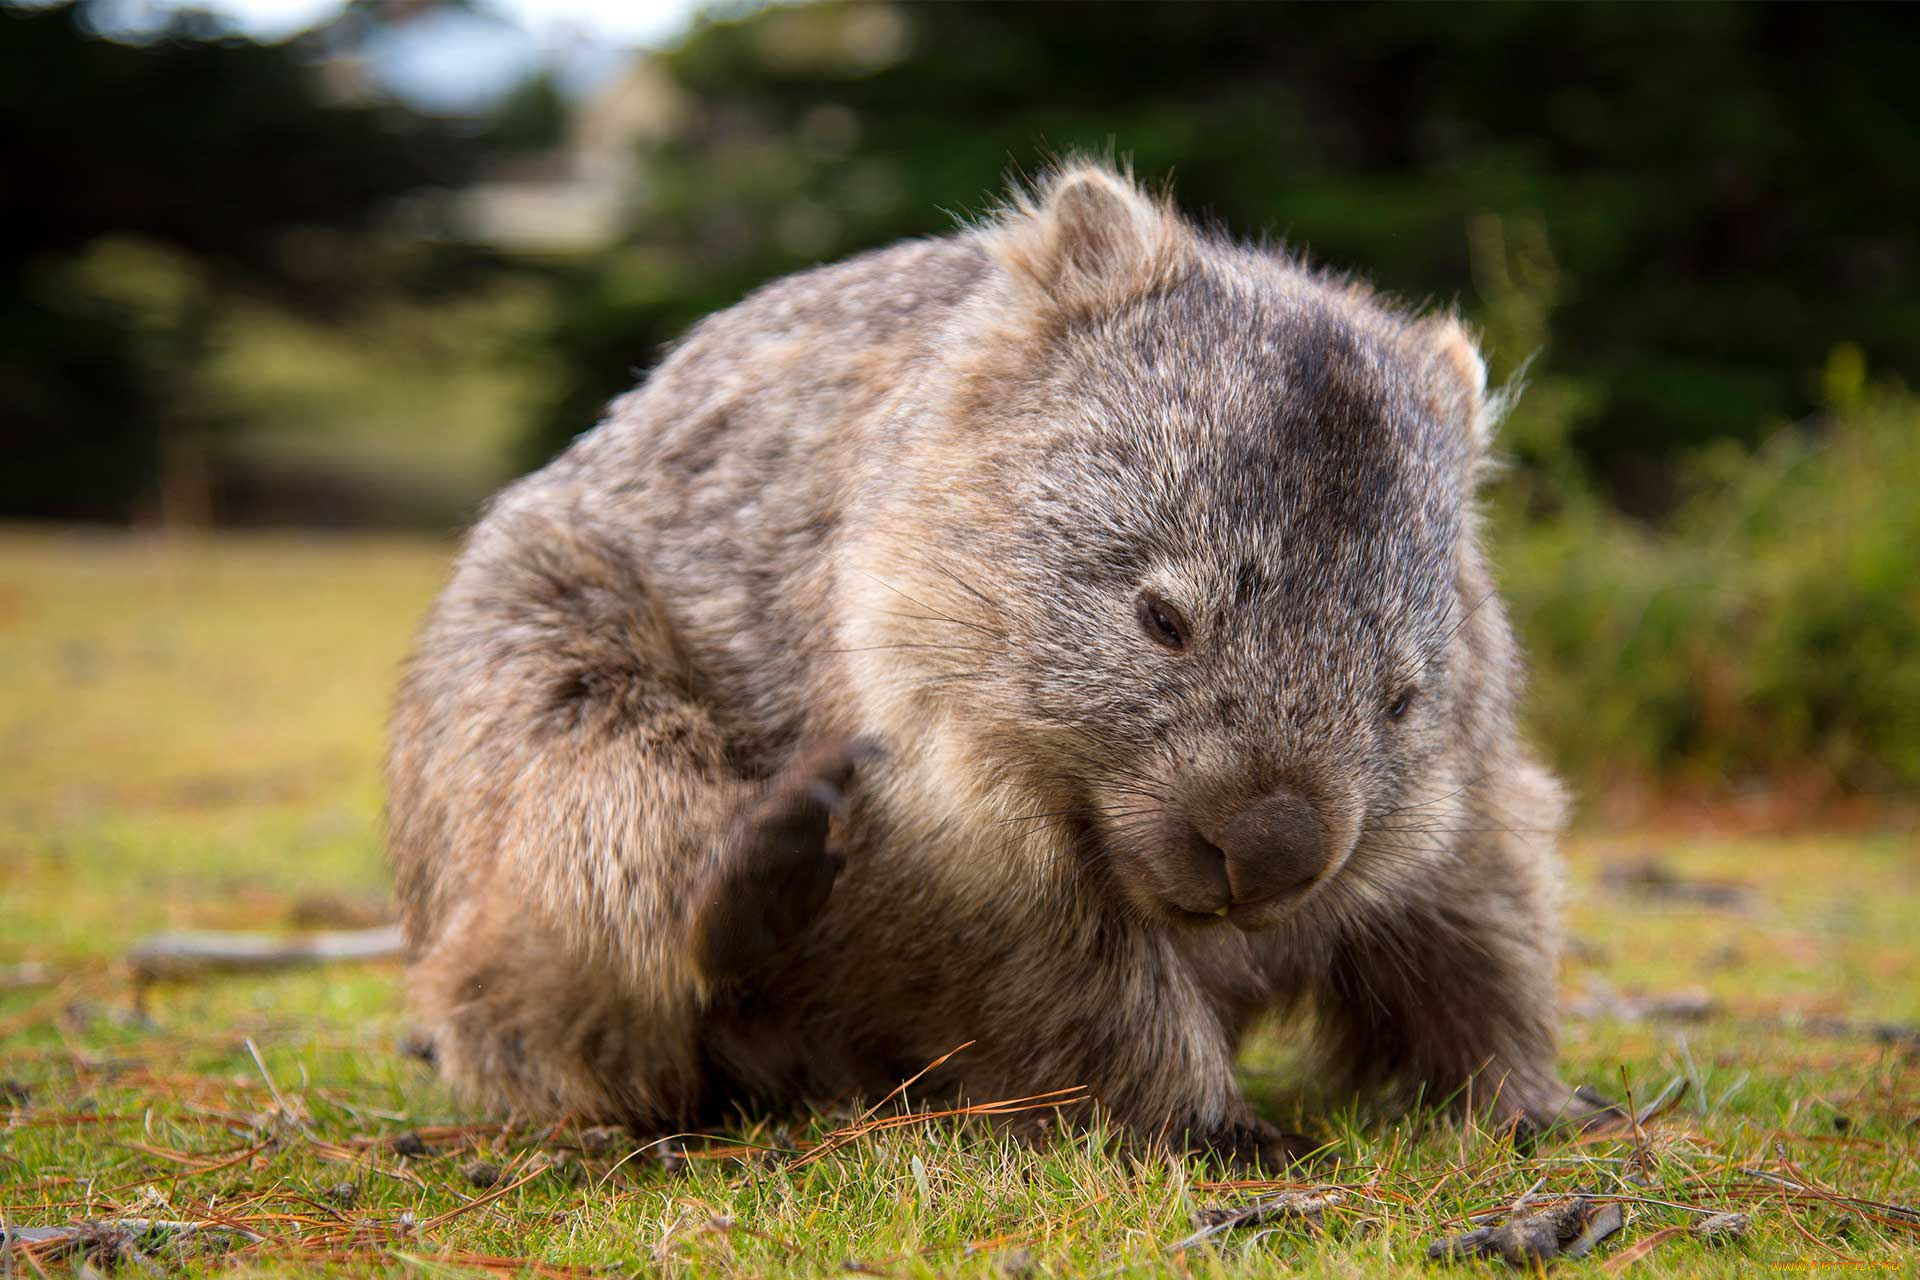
1090 240
1456 378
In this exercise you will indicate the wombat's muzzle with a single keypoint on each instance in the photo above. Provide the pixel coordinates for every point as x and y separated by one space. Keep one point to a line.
1272 848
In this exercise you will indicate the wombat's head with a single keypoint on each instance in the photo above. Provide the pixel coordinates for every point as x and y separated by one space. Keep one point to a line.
1206 572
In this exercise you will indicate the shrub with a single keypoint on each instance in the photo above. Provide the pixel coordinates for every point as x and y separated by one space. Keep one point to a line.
1769 629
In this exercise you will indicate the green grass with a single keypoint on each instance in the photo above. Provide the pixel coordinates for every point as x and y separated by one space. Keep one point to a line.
191 734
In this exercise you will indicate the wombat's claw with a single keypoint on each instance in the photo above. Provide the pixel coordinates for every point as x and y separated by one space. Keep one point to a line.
1264 1148
1591 1108
776 871
1571 1111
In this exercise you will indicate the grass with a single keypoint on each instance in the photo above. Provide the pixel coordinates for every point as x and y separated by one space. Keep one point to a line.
192 732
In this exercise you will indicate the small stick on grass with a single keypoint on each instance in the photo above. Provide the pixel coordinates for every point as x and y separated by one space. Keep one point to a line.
163 956
1303 1207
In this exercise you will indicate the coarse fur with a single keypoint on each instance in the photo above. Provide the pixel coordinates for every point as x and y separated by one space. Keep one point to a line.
810 716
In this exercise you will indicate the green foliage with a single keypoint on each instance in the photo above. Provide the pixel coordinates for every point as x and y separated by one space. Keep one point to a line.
404 418
1717 193
79 403
1770 630
219 160
217 147
534 116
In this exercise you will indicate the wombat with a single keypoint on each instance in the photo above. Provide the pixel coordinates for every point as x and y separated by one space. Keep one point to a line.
1069 637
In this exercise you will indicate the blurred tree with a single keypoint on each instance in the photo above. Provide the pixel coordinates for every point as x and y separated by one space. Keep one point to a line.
1719 193
532 118
218 156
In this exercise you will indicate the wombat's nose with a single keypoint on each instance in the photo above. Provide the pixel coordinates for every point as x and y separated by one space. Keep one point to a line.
1273 846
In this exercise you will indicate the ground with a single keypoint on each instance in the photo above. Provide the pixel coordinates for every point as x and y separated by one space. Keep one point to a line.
191 736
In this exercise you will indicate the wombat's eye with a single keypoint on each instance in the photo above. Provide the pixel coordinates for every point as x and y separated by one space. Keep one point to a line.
1163 623
1398 707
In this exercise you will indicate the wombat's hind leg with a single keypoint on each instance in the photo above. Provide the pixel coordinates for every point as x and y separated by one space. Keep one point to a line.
521 1025
569 825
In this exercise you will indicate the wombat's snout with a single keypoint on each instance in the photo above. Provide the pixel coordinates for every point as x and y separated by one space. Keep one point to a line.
1273 847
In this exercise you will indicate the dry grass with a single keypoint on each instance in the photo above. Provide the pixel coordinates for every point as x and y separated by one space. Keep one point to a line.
192 734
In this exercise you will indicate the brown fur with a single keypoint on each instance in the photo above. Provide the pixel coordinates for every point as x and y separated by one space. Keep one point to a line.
911 500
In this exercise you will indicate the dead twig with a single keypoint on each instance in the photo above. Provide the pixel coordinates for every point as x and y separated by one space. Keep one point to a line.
1722 1228
80 1232
1524 1241
164 956
1606 1221
1305 1208
20 977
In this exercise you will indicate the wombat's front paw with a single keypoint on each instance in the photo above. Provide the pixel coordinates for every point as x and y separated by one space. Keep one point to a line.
1258 1147
776 871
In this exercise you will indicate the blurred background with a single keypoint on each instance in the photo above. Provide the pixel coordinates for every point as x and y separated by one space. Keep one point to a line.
288 286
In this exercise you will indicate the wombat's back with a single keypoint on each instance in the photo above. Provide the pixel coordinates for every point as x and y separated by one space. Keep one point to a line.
727 473
753 413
